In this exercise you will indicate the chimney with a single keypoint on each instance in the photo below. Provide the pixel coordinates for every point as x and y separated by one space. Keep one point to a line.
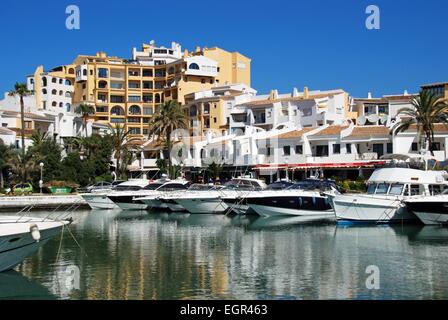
185 53
295 92
369 95
305 93
273 95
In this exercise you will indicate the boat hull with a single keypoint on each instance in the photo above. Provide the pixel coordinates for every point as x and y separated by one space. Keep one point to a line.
99 201
17 247
128 203
203 206
430 212
358 208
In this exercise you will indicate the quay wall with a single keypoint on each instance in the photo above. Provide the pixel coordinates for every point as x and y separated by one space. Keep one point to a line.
10 203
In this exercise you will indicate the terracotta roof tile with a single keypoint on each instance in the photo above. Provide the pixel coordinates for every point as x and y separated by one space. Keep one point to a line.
293 134
369 131
330 131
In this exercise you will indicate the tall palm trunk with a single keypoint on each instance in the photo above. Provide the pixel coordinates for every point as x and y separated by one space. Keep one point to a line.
85 125
22 120
168 143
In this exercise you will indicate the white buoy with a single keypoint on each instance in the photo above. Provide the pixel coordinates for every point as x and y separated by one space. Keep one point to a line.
35 233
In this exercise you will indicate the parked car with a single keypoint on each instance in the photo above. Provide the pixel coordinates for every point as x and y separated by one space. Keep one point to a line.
22 188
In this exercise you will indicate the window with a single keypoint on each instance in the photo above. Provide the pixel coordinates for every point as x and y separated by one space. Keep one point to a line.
134 130
371 189
134 120
435 189
414 146
382 188
102 109
378 148
415 190
54 92
389 148
117 111
54 80
102 97
436 146
193 66
147 72
396 189
44 91
134 110
28 125
103 73
145 131
117 120
146 120
321 151
286 150
117 99
133 73
134 85
147 85
134 98
147 111
336 148
160 73
348 147
147 98
116 85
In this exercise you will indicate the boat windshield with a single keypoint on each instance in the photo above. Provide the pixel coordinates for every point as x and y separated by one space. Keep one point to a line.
280 185
202 187
396 189
153 186
322 185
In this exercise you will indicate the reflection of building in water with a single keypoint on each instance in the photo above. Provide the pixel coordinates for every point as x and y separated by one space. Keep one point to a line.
207 257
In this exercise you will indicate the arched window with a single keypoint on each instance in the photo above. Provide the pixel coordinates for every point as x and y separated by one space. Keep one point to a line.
68 94
193 66
61 105
61 81
68 106
61 92
54 92
44 82
54 80
44 91
157 98
102 84
54 103
84 72
135 110
193 111
71 71
117 111
68 83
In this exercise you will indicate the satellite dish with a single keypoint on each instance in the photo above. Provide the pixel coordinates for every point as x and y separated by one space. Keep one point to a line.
362 120
373 118
383 119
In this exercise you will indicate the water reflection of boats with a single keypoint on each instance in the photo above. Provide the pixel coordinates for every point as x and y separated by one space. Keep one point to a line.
424 234
282 221
14 285
205 220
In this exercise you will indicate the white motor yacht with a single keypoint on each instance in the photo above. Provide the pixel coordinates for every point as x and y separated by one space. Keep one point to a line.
97 199
388 188
20 237
431 210
220 200
130 200
304 198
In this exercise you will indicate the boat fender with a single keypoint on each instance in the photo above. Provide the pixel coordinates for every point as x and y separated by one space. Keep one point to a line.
35 233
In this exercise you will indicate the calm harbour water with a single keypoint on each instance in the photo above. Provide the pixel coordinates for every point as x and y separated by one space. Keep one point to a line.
136 255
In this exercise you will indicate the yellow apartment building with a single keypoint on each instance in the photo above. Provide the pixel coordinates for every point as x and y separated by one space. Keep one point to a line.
130 91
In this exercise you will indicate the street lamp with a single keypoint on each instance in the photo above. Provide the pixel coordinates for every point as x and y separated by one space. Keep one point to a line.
41 181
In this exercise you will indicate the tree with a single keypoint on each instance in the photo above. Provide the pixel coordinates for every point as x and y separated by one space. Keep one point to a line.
428 109
5 154
214 170
23 165
163 123
21 90
85 110
119 136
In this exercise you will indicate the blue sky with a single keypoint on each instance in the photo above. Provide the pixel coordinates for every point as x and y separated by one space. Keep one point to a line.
322 44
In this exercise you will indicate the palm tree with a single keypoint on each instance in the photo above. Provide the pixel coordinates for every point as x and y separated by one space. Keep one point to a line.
38 138
85 110
21 90
170 118
427 109
5 155
214 169
23 165
119 138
